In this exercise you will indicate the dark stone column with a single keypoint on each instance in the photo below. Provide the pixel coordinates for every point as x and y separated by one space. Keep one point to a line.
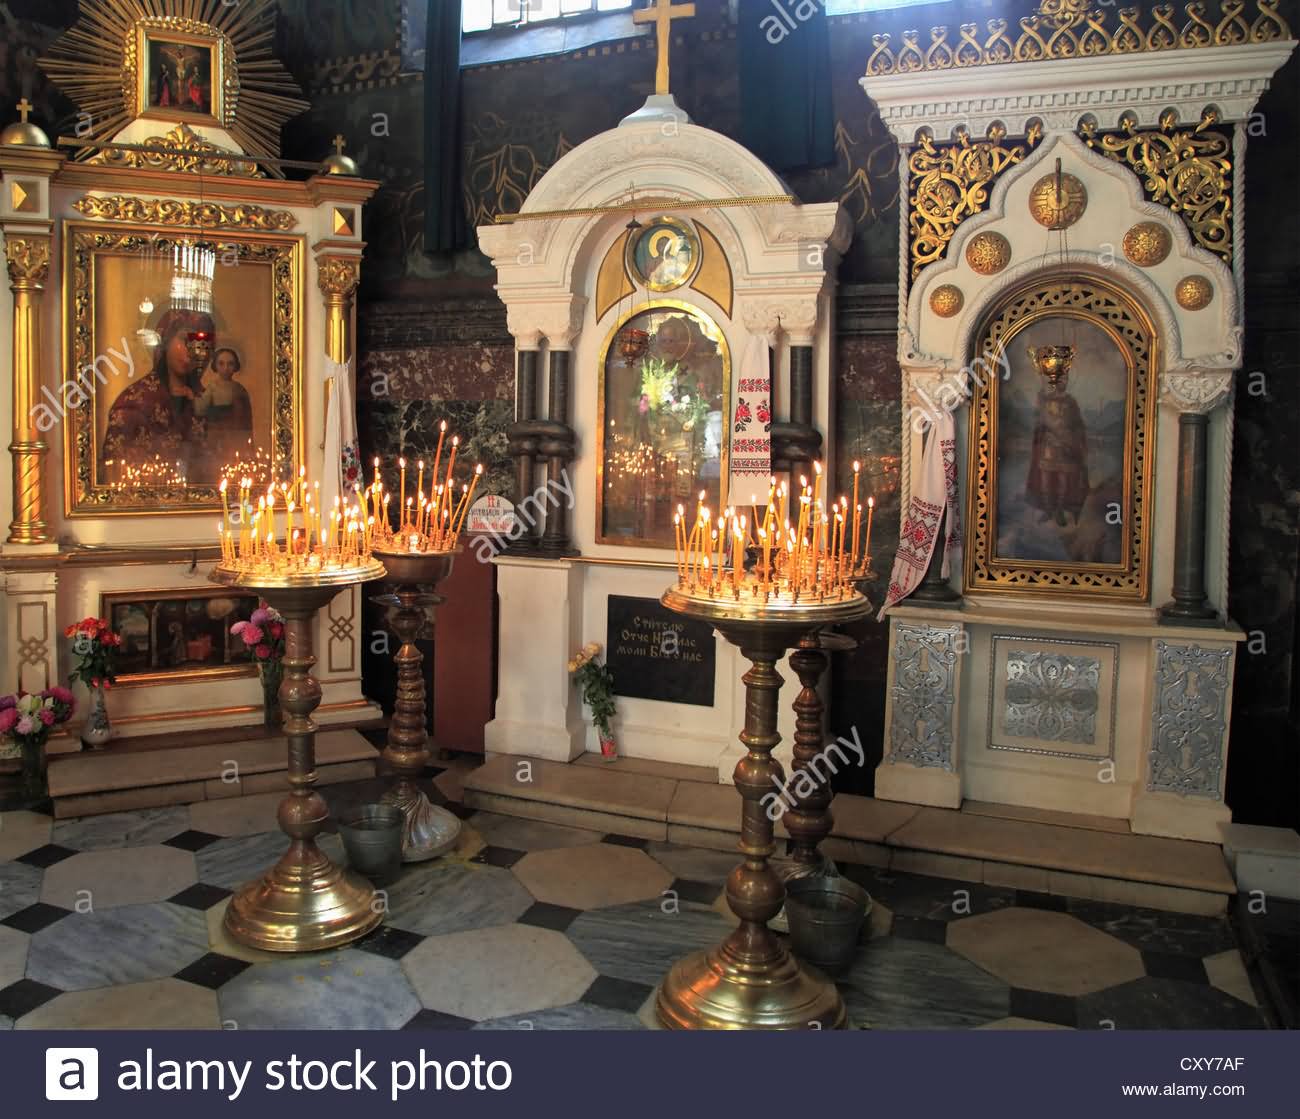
1190 606
523 445
796 443
935 590
558 445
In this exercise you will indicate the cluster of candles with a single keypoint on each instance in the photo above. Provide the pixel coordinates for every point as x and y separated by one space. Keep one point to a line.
427 522
146 472
249 540
812 554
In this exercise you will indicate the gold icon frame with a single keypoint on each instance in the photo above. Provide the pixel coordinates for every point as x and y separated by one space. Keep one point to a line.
684 230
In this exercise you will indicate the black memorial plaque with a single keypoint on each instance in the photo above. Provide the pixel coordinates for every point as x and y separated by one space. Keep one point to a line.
657 654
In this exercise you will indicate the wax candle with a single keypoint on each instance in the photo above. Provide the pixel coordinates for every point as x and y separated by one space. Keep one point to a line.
866 551
401 493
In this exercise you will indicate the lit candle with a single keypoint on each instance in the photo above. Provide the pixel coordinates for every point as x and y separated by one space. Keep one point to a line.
419 495
866 551
437 458
451 465
401 494
225 511
857 514
473 484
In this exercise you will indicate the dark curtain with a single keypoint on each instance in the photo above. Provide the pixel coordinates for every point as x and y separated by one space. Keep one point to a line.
445 228
785 84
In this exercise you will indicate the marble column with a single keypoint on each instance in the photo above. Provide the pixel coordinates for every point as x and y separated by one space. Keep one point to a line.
28 259
523 439
558 446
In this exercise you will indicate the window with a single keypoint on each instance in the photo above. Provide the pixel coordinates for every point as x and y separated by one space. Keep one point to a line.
483 15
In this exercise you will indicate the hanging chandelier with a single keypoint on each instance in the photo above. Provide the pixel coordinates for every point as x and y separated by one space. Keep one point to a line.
194 264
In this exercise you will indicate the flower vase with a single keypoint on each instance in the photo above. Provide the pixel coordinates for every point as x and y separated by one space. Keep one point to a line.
33 790
97 730
608 745
271 673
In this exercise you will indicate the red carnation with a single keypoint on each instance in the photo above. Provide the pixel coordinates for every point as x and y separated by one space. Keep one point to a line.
263 652
277 630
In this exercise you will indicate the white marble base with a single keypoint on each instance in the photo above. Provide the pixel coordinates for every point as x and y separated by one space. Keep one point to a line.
918 785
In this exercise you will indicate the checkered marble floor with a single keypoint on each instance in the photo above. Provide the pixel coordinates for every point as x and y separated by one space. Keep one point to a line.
116 922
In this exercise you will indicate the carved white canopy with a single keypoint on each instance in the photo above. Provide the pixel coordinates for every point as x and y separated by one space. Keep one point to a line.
781 254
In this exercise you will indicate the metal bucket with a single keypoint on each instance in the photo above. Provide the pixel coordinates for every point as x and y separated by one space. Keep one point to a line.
372 837
826 916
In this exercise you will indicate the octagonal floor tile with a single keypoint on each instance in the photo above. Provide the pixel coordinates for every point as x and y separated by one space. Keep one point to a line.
341 990
20 886
1156 930
529 835
232 816
122 829
21 832
588 877
1014 1023
694 863
493 973
442 896
575 1016
107 878
126 944
641 941
224 944
160 1004
1227 972
1043 950
899 984
237 860
13 955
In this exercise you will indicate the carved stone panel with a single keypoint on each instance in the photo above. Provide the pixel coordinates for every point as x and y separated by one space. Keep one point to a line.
1189 720
923 694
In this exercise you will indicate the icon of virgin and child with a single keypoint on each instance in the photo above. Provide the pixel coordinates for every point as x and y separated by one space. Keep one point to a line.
189 409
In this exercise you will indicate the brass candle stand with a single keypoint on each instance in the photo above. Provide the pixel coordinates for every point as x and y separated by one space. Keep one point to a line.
305 902
750 980
429 830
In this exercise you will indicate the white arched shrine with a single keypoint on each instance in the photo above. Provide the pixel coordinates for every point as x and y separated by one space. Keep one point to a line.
771 285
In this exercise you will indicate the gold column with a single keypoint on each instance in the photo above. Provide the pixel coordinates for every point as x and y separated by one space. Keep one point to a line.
338 277
28 260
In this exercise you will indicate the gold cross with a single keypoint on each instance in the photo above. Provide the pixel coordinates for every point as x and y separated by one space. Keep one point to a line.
662 13
338 144
24 107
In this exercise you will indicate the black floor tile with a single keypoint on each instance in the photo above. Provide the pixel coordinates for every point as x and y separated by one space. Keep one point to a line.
617 994
388 942
1029 899
46 856
1043 1006
200 896
25 996
212 971
706 893
544 915
35 917
919 928
191 840
504 857
1165 1004
624 840
1166 965
437 1020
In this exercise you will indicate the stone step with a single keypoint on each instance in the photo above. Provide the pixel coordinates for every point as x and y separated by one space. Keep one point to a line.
90 784
1069 857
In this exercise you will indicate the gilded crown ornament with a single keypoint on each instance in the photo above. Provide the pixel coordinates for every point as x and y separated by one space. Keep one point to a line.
1058 199
946 300
988 253
1194 293
1147 244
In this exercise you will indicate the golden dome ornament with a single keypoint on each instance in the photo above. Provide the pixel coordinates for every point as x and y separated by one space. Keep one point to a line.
22 133
946 300
988 253
336 163
1194 293
1058 200
1147 244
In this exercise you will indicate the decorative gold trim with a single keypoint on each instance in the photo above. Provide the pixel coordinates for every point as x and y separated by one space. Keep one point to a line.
1066 29
1096 300
687 234
950 182
173 211
338 278
1188 169
83 497
181 149
96 63
25 196
1058 199
179 675
612 281
725 463
1147 244
28 260
946 300
988 253
1194 293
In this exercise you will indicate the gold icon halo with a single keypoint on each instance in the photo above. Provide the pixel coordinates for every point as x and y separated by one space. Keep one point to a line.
1058 200
1194 293
946 300
988 253
1147 244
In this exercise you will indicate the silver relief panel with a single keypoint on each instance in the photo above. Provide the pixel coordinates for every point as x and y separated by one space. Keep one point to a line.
1189 720
1051 697
923 695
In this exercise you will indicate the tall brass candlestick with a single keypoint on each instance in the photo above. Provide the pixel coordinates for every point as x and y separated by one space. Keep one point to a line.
305 902
750 980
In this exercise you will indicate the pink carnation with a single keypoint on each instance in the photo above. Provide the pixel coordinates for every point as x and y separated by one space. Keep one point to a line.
263 652
46 716
238 628
8 716
25 725
252 635
59 693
